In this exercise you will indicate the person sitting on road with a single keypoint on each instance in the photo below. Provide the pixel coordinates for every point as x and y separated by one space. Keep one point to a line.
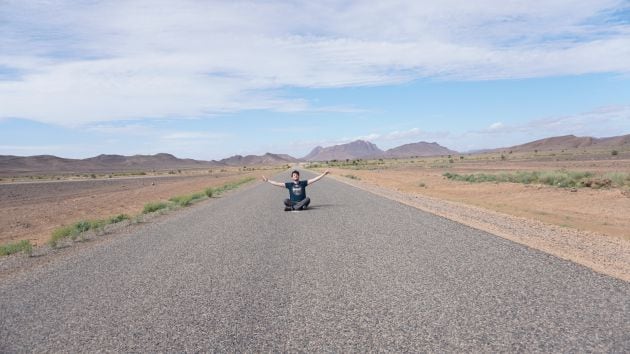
297 190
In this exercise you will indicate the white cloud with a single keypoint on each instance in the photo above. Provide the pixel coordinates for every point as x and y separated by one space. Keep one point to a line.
112 60
496 126
194 136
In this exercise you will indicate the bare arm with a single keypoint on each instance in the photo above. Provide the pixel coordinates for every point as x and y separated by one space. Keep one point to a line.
315 179
278 184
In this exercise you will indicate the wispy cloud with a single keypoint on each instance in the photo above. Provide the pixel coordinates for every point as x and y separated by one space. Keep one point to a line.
76 62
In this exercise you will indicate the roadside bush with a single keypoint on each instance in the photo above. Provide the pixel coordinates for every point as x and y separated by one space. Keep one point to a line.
119 218
209 191
229 186
182 200
563 179
619 179
21 246
153 207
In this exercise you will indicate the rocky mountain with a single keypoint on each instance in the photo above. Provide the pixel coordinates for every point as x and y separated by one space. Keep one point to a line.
15 165
312 154
364 149
358 149
567 142
418 149
253 160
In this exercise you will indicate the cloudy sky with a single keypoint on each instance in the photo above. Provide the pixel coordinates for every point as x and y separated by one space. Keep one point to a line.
210 79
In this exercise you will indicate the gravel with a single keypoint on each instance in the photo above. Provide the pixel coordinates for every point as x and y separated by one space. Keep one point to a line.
356 272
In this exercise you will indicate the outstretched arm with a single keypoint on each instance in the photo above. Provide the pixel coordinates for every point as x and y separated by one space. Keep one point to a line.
278 184
313 180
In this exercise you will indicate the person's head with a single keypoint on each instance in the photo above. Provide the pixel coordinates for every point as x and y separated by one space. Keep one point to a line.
295 175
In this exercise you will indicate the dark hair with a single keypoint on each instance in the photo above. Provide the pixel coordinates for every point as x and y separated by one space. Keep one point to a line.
295 171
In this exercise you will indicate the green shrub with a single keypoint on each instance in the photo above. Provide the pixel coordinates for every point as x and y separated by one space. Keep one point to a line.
618 179
563 179
196 196
209 191
118 218
21 246
153 207
233 185
182 200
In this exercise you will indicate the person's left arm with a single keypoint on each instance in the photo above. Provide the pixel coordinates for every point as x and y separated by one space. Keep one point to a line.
315 179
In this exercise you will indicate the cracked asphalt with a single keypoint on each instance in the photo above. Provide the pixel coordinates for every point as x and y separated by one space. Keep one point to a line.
354 273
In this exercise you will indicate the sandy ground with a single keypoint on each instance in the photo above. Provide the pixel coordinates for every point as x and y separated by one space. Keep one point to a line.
31 211
587 226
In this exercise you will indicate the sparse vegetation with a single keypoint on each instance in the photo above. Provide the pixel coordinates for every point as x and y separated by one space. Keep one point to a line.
618 179
614 152
352 177
186 200
76 230
153 207
562 179
118 218
16 247
233 185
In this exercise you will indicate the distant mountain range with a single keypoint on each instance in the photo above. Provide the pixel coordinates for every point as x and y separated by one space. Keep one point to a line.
359 149
253 160
570 142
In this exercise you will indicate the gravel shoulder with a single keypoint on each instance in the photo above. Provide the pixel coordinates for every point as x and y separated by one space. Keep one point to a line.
602 253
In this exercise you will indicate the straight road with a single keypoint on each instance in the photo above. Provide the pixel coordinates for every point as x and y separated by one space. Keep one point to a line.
356 272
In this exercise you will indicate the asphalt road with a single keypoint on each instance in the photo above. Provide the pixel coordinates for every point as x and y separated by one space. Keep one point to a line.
355 273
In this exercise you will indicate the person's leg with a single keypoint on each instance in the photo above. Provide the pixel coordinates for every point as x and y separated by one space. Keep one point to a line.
303 204
288 205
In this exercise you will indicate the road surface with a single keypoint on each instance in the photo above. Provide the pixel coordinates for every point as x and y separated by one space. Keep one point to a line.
356 273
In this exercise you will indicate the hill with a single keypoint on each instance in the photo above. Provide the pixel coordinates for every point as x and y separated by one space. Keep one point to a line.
355 150
567 142
253 160
418 149
47 164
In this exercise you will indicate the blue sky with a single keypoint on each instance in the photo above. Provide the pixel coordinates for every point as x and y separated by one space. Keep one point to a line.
210 79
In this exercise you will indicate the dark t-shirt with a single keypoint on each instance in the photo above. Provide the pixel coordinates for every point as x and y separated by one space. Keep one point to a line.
297 191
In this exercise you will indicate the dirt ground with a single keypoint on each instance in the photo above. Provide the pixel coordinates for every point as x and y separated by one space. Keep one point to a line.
31 211
604 211
584 225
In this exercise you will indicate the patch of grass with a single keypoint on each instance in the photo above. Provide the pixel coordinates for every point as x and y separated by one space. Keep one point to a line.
77 229
233 185
197 196
21 246
562 179
209 192
182 200
118 218
153 207
619 179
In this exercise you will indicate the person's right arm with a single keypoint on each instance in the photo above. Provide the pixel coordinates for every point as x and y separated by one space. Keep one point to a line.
278 184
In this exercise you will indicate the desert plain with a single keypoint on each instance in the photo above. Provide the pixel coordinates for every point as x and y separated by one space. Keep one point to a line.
590 223
32 208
